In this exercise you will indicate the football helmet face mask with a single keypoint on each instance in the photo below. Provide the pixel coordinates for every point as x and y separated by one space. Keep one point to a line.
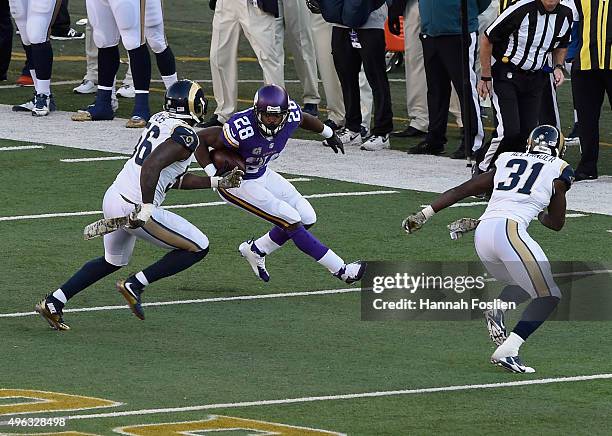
271 105
546 139
185 100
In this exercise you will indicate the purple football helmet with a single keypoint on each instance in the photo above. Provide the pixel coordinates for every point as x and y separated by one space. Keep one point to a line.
271 100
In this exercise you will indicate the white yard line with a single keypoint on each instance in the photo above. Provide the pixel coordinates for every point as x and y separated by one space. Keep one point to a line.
264 296
377 394
94 159
199 301
184 206
21 147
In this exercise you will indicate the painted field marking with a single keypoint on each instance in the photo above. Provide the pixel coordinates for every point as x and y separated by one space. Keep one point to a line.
263 296
199 301
22 147
184 206
95 159
452 388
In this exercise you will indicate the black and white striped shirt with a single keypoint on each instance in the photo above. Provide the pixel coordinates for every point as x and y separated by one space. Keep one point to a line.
525 33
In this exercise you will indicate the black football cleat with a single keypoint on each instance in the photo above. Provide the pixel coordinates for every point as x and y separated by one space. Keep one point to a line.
52 315
132 296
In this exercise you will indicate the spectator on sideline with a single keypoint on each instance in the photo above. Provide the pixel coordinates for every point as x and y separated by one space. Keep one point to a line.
257 20
294 27
358 38
512 57
6 38
416 84
591 81
442 52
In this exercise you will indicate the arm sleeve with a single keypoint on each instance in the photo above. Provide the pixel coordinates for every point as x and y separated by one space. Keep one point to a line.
185 136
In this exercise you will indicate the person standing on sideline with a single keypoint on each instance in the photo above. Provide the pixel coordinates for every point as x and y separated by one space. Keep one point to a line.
592 79
441 36
512 54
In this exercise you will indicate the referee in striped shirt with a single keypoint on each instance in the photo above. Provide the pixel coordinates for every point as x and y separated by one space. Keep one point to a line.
592 79
512 54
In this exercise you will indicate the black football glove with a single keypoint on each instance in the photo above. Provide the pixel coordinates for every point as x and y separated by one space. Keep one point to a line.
212 4
334 143
314 6
395 26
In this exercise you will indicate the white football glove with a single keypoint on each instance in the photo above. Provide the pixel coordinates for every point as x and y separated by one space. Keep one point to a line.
141 215
463 225
233 179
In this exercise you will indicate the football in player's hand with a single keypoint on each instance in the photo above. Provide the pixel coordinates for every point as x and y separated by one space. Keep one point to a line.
226 160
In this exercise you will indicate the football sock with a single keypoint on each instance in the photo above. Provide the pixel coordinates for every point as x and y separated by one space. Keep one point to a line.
167 66
332 262
170 80
514 294
108 65
172 263
89 273
42 60
510 347
306 242
34 78
272 240
140 62
534 315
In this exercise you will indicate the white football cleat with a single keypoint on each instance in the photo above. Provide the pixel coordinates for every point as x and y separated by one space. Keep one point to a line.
27 106
512 364
349 137
376 143
496 326
86 87
126 91
257 262
351 272
43 105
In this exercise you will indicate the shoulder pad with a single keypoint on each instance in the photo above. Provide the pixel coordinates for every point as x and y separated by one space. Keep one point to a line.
230 136
186 136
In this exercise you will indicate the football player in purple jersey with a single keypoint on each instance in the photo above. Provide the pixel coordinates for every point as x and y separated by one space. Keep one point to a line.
259 134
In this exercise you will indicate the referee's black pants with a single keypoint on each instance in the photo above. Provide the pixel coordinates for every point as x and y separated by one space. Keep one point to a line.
443 65
6 37
347 61
517 97
589 88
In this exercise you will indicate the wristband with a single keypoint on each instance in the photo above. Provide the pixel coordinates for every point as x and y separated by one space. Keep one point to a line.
428 212
214 181
327 131
210 169
486 78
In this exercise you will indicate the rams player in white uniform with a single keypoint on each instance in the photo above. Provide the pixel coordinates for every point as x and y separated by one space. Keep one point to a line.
524 185
160 162
34 19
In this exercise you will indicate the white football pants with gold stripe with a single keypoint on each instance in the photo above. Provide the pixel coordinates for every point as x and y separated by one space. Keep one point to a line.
165 229
513 257
272 198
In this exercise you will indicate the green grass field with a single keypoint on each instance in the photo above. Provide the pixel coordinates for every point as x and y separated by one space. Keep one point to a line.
298 364
276 348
